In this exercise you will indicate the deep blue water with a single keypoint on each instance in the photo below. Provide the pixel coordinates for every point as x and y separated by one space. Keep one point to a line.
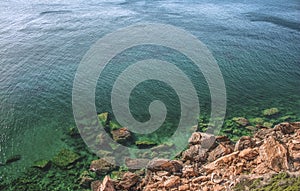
256 44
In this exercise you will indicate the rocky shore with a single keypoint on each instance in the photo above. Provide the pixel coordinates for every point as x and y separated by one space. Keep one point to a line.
268 160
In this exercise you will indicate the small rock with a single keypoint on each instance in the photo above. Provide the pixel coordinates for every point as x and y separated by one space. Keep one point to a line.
107 185
241 121
172 181
195 138
164 165
102 166
121 135
195 153
249 154
219 151
243 143
184 187
129 179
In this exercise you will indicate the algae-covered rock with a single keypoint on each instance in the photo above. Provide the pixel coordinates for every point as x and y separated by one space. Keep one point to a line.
271 111
114 126
104 118
267 124
102 166
65 158
42 164
257 121
241 121
145 144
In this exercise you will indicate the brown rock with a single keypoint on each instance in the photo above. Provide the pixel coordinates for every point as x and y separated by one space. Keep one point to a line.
249 154
121 135
195 153
243 143
184 187
219 151
274 155
129 179
195 138
102 166
285 128
172 182
208 141
107 184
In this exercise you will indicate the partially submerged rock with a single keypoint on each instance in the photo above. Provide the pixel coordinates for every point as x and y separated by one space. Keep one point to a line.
121 135
13 158
102 166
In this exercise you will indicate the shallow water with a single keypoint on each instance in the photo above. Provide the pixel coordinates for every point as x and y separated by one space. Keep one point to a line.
256 44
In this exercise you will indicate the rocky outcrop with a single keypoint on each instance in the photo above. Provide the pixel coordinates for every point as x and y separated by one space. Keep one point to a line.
215 163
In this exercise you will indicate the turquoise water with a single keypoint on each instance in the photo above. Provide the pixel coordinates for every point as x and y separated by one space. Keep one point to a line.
256 44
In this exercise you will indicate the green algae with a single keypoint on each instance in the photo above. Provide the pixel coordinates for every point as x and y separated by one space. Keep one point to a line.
279 182
270 112
42 164
65 158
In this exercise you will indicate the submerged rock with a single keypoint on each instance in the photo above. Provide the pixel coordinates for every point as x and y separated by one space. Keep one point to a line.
65 158
42 164
270 112
13 158
241 121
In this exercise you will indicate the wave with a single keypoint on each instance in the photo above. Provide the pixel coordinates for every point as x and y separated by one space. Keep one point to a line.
56 12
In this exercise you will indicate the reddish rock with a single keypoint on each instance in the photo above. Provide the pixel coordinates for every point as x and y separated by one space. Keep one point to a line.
274 155
107 184
172 182
219 151
249 154
129 180
164 165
